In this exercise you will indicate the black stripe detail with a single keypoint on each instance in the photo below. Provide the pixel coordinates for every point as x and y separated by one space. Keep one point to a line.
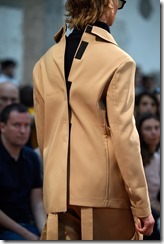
69 83
81 50
89 29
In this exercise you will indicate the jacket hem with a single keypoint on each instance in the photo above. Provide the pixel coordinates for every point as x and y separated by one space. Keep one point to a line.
114 203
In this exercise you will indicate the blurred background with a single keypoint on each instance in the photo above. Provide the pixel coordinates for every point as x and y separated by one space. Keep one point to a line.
27 28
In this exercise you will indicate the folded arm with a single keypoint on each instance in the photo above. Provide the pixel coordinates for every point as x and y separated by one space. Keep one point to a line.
8 223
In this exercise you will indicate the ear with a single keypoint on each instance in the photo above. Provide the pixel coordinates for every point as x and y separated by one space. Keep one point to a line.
2 127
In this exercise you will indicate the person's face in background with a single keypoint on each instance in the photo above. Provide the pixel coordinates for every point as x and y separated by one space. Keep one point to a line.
16 130
147 104
8 94
150 130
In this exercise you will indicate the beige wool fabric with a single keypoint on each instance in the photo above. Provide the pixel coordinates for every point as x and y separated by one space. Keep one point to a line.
105 166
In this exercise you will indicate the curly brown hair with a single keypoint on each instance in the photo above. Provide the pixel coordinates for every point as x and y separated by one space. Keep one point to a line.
80 13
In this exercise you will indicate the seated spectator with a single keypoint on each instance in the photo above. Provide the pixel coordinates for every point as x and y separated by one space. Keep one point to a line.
9 93
146 102
26 98
148 126
7 71
22 215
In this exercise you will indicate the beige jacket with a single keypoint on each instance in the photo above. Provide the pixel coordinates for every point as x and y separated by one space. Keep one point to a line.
106 168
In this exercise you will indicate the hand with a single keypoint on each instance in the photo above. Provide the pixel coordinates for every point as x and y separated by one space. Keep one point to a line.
30 236
145 225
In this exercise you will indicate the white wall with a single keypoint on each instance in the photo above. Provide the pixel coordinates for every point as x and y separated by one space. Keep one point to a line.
138 36
11 38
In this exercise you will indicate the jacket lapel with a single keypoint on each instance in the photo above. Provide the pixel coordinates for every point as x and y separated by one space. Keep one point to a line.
60 38
58 56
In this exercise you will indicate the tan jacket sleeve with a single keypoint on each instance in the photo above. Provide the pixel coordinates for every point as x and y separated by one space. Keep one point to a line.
120 108
39 106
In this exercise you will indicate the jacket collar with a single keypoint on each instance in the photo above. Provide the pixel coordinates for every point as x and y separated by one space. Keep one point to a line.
98 31
60 33
101 33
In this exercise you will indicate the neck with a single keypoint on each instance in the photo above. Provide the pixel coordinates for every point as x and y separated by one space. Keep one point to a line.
152 148
13 150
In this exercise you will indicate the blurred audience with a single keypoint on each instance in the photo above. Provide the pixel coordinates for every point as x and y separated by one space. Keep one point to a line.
22 215
9 93
7 71
148 126
146 82
26 98
149 83
158 96
146 102
138 80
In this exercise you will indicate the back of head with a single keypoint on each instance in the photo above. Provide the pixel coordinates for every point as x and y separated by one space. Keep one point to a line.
5 64
7 85
8 67
26 95
80 13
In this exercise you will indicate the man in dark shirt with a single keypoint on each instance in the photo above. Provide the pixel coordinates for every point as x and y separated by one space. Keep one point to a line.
21 207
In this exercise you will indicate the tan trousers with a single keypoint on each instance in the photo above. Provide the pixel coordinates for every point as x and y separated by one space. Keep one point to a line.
80 223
